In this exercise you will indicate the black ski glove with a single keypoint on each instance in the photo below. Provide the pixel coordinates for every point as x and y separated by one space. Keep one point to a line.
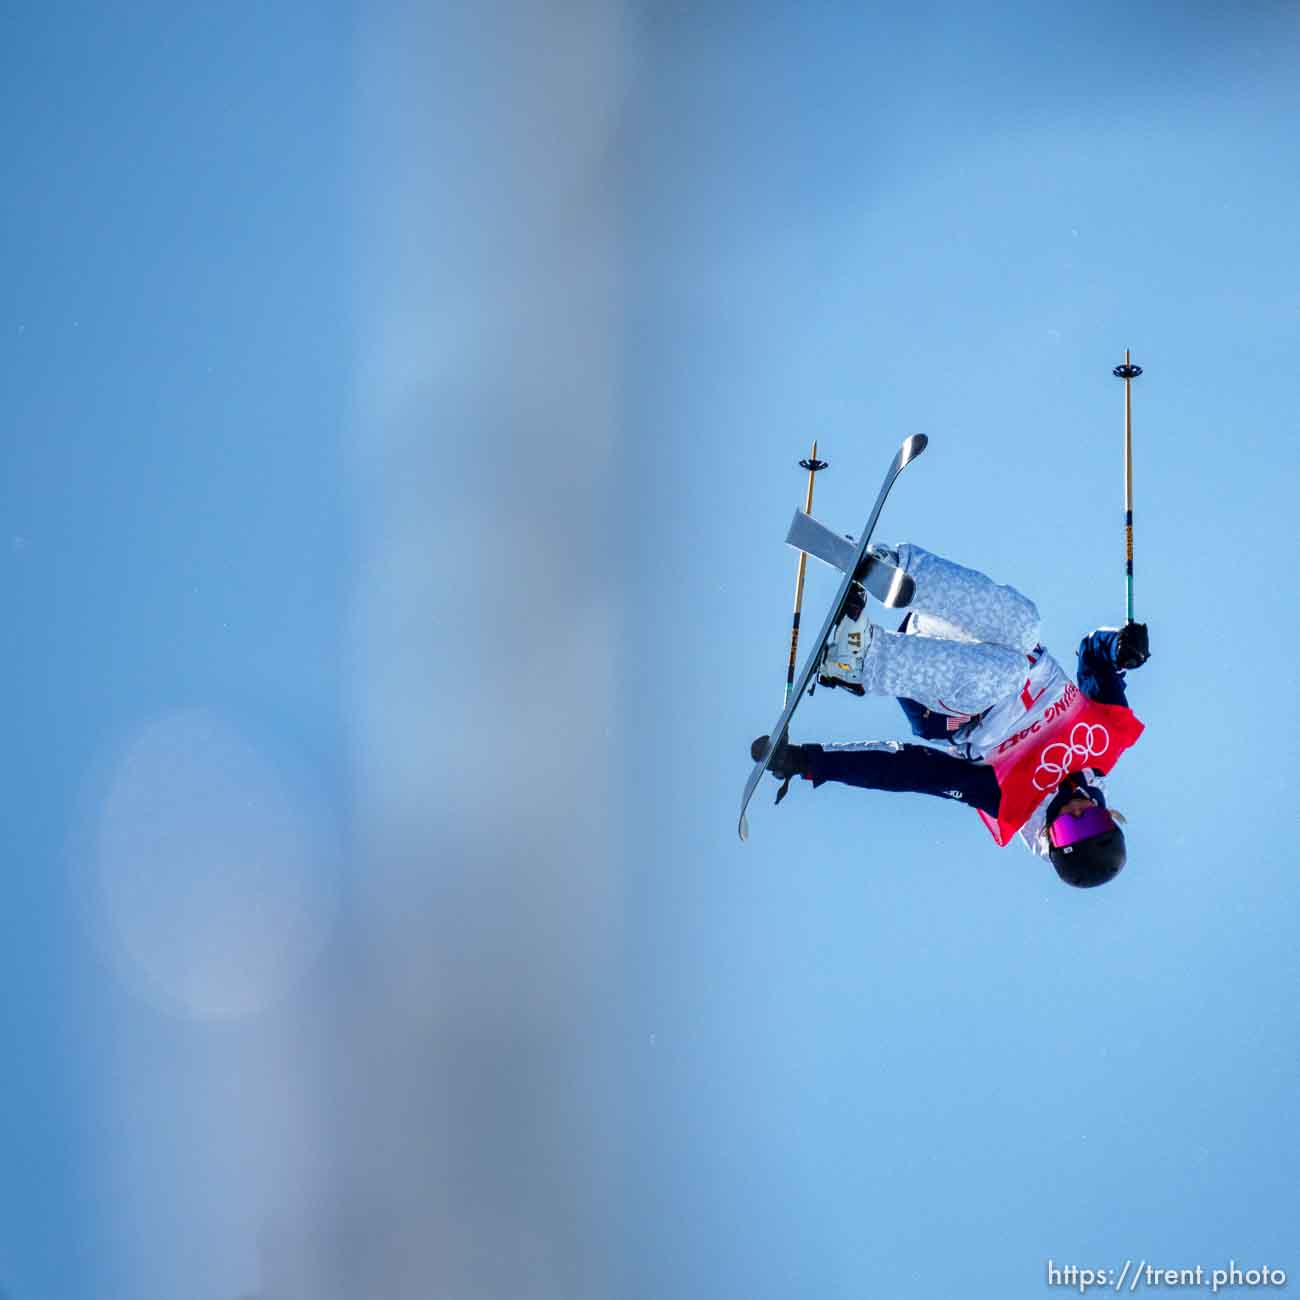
1131 649
787 760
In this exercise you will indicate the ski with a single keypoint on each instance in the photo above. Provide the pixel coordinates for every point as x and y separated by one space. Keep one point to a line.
885 581
912 447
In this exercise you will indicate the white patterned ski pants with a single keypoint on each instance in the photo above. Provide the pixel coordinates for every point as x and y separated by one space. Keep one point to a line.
966 642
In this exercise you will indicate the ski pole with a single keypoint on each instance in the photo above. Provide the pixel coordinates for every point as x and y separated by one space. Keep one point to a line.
812 465
1128 372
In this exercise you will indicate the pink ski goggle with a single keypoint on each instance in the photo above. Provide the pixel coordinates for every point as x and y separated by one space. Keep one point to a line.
1067 830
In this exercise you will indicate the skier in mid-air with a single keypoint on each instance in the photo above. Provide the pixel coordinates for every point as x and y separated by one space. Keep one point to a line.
1016 738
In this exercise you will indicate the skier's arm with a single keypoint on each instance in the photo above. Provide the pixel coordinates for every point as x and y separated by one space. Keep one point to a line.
1099 678
916 769
1103 658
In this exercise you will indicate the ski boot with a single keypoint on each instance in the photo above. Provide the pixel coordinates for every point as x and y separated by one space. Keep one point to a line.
846 651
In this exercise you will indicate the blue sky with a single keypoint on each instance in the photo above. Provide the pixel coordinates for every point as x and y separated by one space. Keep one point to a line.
404 407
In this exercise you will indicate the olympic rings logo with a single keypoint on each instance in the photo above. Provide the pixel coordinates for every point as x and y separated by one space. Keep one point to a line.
1087 740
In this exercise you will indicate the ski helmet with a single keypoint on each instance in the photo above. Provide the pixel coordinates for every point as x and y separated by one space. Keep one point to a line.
1092 861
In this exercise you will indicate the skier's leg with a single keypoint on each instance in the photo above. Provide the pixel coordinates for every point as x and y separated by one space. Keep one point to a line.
961 604
952 677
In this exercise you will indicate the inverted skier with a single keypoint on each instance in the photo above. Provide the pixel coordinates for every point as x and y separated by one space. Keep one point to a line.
1011 734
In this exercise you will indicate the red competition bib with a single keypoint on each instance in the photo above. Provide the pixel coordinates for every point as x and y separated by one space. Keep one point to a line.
1072 733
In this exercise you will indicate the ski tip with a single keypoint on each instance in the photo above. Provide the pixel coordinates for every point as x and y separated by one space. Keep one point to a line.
913 445
743 829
